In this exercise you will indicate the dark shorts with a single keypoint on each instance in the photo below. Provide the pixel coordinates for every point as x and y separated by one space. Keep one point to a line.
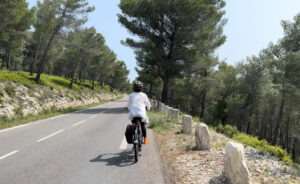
143 126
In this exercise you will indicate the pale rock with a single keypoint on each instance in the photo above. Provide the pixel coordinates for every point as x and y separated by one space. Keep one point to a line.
153 104
235 167
167 110
265 181
163 107
175 114
159 106
187 124
202 137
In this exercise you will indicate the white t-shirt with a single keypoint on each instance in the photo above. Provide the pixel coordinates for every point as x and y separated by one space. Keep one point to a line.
138 101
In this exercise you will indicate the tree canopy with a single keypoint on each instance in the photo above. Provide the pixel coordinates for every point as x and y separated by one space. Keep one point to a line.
172 34
51 38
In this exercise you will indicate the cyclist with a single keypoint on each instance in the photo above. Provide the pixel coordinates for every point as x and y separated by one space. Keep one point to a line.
137 105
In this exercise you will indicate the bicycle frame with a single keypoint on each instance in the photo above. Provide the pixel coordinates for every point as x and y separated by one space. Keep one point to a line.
137 139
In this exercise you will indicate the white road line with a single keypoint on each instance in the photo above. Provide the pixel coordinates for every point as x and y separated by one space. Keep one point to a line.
40 140
124 144
8 129
54 117
80 122
9 154
93 116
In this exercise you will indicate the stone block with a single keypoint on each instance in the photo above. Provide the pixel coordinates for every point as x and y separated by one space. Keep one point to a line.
202 138
235 167
187 124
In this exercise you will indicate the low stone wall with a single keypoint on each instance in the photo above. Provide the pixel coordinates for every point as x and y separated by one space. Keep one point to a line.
33 101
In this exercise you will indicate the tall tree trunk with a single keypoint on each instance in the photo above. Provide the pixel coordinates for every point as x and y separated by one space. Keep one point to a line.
3 62
72 82
150 90
296 150
286 145
279 119
36 57
8 61
93 82
43 59
73 74
248 126
280 137
42 62
203 99
164 95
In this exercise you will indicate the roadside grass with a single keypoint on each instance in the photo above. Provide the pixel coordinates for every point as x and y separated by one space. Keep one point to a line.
5 122
160 123
10 91
53 82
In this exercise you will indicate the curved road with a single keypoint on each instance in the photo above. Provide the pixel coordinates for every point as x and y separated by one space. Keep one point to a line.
84 147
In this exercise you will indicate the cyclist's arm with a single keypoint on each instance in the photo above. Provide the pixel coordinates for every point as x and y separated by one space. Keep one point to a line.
128 104
147 103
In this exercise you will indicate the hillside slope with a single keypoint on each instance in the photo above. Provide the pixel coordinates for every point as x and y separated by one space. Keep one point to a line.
20 96
187 164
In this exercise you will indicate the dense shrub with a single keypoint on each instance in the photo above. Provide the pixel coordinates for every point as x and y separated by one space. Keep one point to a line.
17 77
228 130
1 94
264 146
10 91
53 82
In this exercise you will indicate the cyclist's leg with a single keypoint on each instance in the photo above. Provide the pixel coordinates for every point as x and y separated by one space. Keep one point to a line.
144 131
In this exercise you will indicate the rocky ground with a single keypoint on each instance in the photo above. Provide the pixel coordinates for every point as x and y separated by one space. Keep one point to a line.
186 165
24 100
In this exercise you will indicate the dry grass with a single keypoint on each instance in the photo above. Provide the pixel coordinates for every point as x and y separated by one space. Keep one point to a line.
187 165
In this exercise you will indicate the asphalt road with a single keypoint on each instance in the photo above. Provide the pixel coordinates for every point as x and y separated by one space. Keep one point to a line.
85 147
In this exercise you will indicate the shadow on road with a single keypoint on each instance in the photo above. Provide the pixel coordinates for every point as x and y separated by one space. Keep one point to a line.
119 101
116 110
122 159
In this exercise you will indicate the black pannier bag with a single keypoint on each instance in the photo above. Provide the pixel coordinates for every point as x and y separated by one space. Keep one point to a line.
129 134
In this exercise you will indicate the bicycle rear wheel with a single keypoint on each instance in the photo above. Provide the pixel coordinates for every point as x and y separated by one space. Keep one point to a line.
136 146
136 153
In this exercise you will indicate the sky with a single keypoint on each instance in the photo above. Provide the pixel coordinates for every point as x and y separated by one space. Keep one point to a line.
251 26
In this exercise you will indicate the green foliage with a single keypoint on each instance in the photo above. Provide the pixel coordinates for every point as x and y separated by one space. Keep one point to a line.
159 121
19 111
228 130
53 109
10 90
15 20
59 15
105 87
260 95
17 77
53 82
263 145
176 36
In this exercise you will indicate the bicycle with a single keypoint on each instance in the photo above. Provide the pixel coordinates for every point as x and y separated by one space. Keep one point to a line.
137 138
